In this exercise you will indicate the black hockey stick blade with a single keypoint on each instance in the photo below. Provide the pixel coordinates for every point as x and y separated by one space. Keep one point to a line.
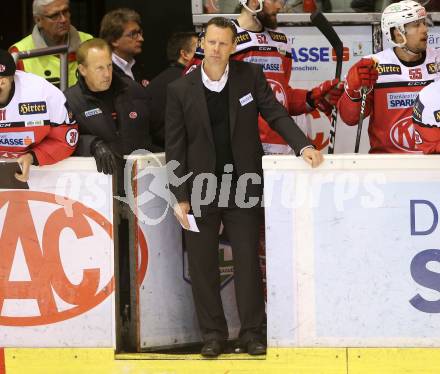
322 23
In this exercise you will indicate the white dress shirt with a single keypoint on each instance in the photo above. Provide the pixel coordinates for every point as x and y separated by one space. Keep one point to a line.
124 65
216 86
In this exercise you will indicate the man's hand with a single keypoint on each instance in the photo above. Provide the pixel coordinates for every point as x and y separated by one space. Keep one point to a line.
313 157
180 211
104 157
326 95
25 162
362 74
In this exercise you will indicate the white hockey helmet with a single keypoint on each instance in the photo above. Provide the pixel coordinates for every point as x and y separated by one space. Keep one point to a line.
398 15
244 4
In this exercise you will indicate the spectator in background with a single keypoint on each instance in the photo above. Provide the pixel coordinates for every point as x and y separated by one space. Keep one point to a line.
52 28
180 50
121 29
111 110
362 5
430 5
34 126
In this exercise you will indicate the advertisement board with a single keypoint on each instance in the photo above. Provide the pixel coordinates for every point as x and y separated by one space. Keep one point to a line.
56 272
352 251
314 62
167 315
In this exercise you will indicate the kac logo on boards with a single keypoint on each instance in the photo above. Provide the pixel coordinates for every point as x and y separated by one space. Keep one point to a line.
59 294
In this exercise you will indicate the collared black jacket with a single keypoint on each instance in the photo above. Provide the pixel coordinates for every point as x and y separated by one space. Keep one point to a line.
95 122
157 94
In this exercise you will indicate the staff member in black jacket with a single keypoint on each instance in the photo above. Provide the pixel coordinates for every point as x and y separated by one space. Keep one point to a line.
180 50
111 111
113 120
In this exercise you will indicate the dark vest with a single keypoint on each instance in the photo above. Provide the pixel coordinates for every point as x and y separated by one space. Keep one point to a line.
218 109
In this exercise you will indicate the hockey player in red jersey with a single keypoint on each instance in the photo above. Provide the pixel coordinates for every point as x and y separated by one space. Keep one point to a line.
34 124
258 42
393 79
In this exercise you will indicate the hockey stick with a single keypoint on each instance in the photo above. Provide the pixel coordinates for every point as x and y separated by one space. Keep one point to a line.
361 118
364 93
318 20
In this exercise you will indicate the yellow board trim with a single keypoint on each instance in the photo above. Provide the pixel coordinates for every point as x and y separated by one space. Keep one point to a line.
277 361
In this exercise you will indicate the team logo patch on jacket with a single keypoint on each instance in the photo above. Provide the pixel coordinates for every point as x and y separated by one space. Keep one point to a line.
389 69
32 108
437 115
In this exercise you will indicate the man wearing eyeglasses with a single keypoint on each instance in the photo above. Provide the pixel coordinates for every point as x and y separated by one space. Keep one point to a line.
52 28
121 29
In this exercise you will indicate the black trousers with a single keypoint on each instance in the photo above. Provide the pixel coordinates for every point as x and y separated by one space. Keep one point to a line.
242 229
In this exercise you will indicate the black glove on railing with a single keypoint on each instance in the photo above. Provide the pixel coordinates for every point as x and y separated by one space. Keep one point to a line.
104 157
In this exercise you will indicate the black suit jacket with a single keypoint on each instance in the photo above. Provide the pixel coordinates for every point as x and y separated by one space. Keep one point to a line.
156 93
188 133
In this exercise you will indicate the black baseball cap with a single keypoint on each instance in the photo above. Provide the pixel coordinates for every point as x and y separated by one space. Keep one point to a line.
7 64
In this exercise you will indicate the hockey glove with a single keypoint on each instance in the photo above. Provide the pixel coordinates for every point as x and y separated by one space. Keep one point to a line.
326 95
362 74
104 157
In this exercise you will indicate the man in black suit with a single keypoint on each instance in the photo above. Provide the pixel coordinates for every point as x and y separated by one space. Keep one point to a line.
212 132
180 50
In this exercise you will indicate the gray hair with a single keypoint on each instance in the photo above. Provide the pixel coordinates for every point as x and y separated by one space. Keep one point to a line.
39 4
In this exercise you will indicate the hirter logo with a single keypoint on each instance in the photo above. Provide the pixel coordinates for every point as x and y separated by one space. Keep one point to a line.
402 135
133 115
2 68
50 260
